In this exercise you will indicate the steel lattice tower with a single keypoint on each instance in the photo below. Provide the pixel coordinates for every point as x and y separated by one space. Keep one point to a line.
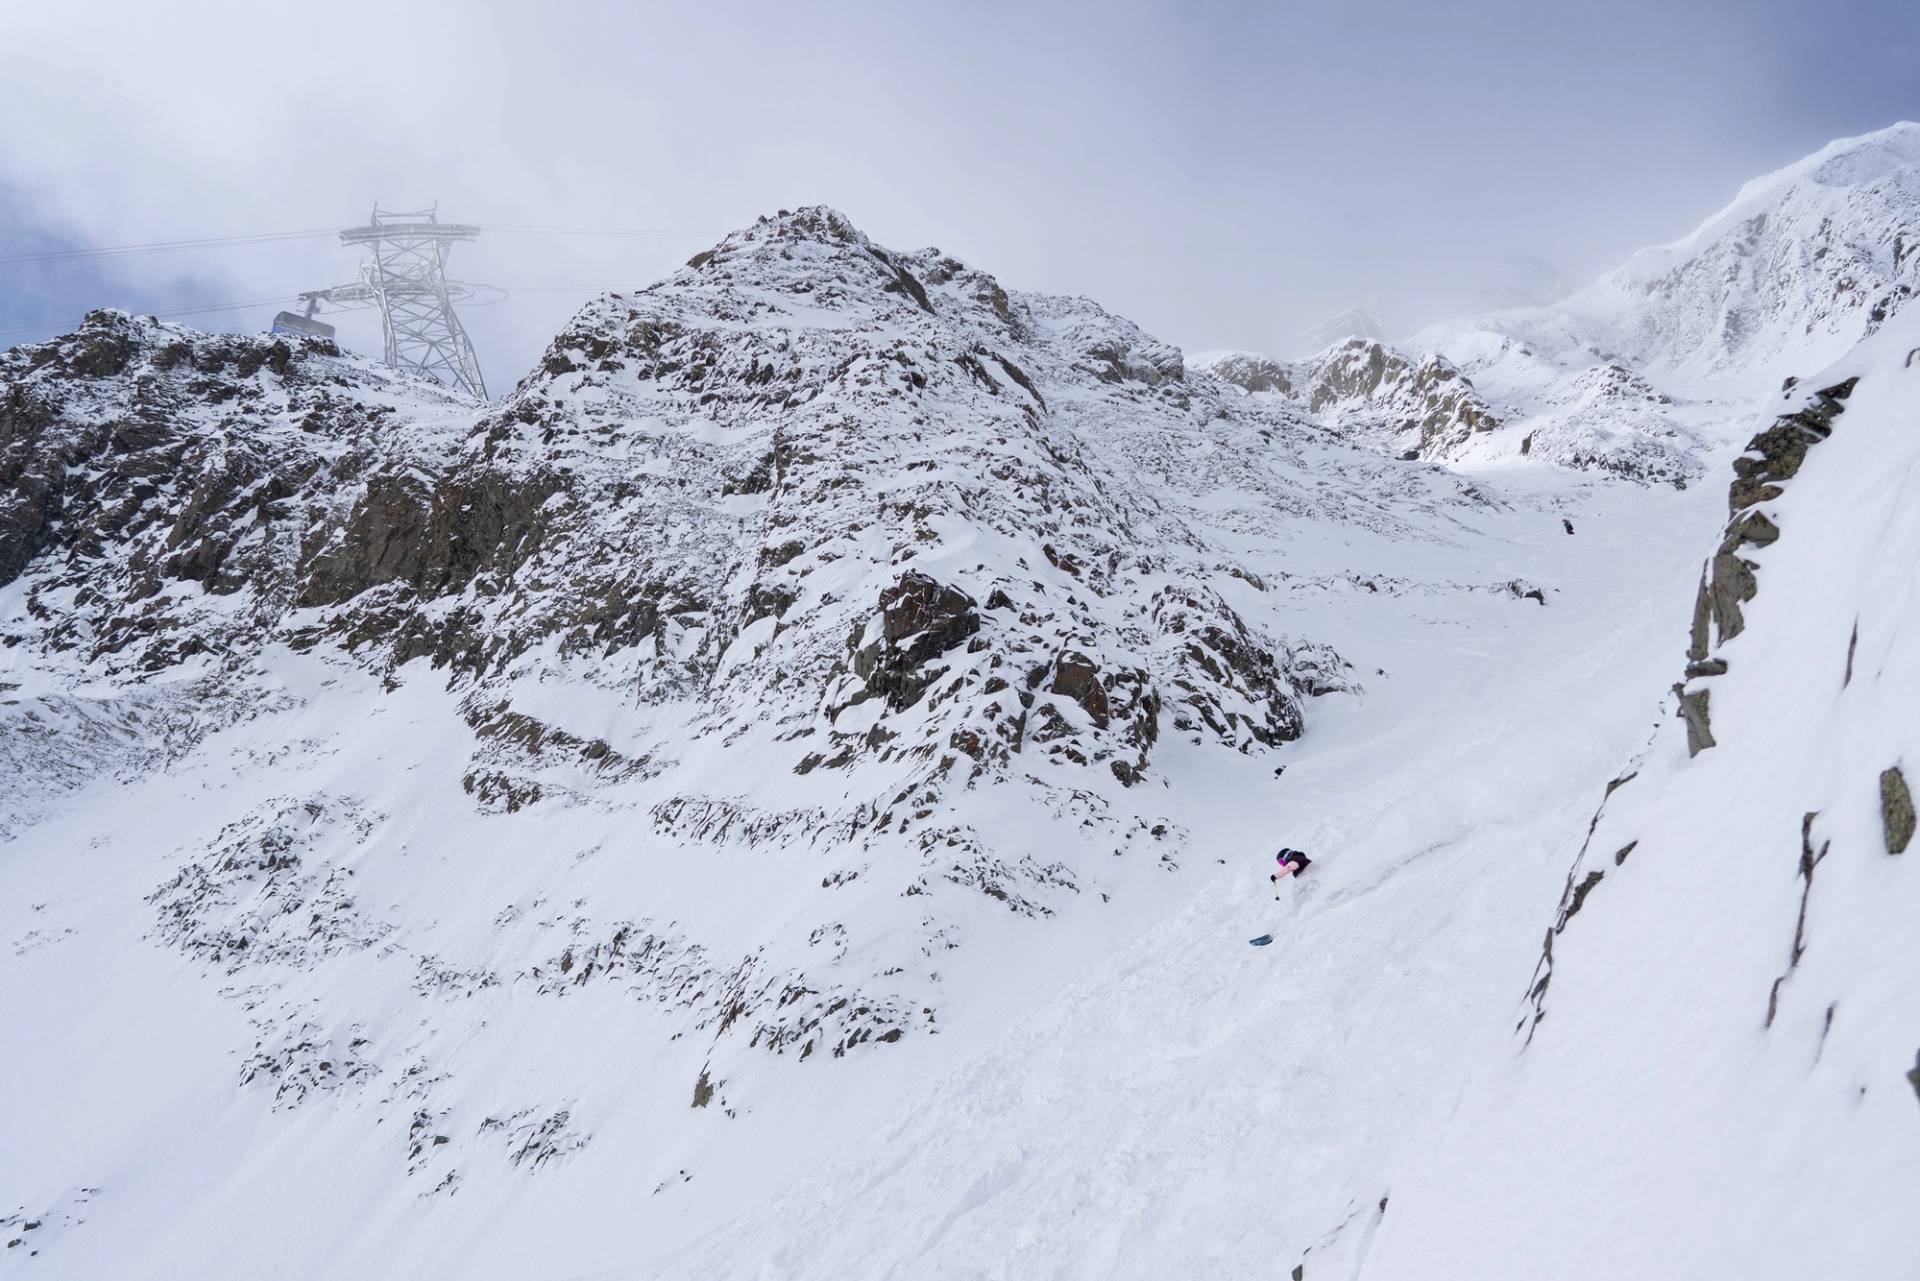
405 276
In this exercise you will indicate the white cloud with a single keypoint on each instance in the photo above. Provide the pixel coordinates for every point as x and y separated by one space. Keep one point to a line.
1222 174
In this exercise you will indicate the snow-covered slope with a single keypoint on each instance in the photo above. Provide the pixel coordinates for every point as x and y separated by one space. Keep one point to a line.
1715 1073
1191 1106
1707 1071
785 792
1800 266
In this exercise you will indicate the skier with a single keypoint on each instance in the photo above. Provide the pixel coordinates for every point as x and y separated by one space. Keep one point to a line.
1567 523
1292 863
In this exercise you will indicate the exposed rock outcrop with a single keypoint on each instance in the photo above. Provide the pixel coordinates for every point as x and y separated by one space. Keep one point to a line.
1254 373
1896 810
1418 407
1728 582
918 621
136 457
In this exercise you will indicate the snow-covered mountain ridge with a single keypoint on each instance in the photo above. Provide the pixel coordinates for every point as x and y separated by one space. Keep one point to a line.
785 791
794 647
1635 373
1800 266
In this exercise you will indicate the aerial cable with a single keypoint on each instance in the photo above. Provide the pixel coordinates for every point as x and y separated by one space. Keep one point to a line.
633 232
68 323
216 242
158 246
110 252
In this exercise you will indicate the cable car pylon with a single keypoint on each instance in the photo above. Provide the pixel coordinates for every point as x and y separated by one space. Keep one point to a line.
405 275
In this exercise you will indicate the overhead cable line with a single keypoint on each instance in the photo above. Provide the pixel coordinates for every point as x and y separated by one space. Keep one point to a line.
634 232
68 323
159 246
218 242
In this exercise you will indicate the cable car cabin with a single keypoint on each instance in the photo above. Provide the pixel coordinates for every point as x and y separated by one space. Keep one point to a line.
299 326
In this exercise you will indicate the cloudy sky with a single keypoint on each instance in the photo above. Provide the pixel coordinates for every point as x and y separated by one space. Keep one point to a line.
1224 173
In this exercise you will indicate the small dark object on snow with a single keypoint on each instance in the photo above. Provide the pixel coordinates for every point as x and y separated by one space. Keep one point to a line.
1278 770
1567 523
1262 941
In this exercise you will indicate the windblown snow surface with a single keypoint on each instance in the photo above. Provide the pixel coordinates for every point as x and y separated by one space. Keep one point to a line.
786 793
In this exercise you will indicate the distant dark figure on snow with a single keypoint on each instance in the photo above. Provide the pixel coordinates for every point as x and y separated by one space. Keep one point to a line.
1567 523
1292 863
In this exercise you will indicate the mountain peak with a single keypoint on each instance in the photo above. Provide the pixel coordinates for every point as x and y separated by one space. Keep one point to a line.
1890 153
1802 264
806 263
818 223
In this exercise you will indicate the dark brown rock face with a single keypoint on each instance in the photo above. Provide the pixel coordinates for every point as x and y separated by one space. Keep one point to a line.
929 614
474 528
1696 712
30 481
1732 585
1076 677
920 619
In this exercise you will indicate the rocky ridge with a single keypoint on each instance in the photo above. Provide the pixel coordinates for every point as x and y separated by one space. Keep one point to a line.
863 519
1415 408
1365 391
1802 265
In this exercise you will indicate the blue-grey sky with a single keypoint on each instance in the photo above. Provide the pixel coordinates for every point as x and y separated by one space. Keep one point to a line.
1224 173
